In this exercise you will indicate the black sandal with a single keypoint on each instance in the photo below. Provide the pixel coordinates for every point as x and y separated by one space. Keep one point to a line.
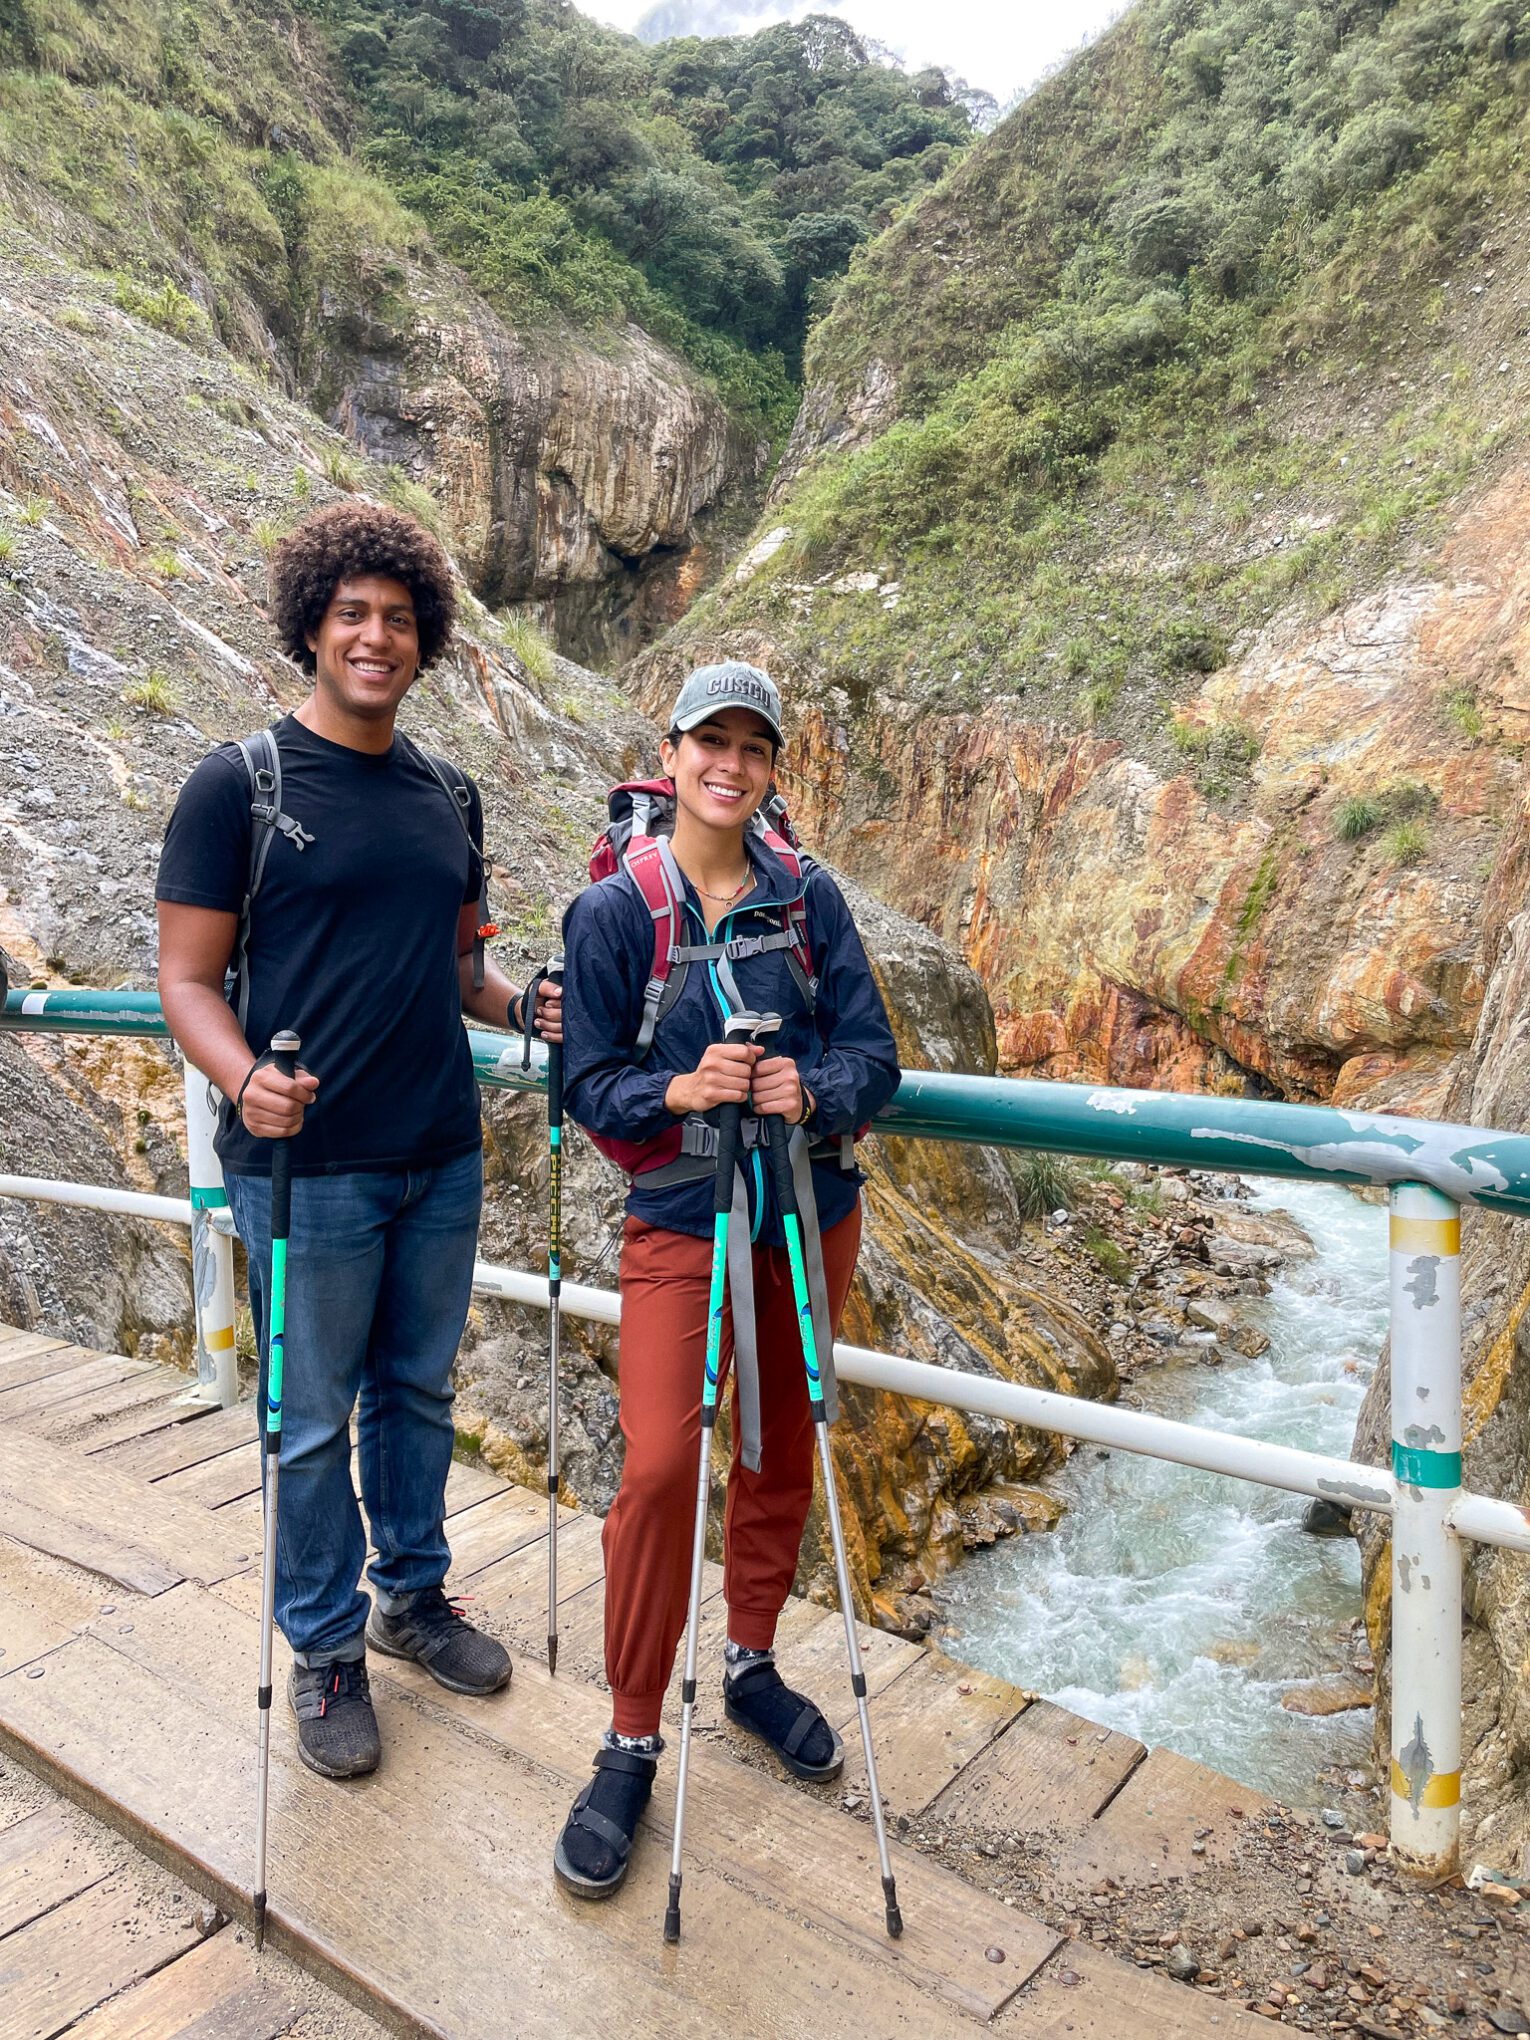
595 1844
758 1698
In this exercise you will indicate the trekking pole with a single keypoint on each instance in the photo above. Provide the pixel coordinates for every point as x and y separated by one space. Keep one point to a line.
552 974
284 1049
778 1140
554 971
738 1027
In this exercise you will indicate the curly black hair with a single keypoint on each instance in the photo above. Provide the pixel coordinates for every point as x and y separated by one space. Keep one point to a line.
344 542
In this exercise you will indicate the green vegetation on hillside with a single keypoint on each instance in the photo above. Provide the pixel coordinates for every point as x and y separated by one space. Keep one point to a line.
1170 353
706 188
711 191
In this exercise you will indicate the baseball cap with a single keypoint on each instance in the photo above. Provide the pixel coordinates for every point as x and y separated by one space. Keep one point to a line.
732 684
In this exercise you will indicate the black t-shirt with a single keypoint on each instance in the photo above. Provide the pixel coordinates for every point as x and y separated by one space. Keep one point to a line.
353 945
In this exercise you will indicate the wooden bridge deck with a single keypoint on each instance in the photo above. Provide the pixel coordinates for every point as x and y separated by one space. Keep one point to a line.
129 1597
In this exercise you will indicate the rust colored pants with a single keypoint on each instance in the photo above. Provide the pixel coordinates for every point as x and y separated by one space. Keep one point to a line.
665 1286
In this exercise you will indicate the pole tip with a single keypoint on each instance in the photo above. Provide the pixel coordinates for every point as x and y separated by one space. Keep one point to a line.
552 1653
672 1911
894 1916
260 1921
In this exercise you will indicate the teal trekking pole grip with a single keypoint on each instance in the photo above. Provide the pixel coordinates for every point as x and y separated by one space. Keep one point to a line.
284 1053
738 1027
778 1139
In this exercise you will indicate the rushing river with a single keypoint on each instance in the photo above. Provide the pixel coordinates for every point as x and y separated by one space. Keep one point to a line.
1179 1606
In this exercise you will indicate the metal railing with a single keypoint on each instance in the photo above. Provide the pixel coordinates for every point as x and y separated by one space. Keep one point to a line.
1429 1170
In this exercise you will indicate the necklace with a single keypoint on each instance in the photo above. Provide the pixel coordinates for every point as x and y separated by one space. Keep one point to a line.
727 899
737 892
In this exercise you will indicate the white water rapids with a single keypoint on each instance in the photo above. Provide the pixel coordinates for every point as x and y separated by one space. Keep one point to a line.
1179 1606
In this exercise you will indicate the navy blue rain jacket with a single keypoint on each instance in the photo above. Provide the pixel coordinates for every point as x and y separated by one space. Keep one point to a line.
844 1050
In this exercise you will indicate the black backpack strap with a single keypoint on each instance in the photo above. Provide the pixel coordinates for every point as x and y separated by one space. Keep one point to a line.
453 782
262 760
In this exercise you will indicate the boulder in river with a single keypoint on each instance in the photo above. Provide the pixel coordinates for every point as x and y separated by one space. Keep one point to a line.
1340 1696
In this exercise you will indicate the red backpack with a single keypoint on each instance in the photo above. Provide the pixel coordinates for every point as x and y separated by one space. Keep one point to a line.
636 840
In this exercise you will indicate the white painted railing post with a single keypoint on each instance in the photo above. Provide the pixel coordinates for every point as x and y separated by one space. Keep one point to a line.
212 1254
1425 1258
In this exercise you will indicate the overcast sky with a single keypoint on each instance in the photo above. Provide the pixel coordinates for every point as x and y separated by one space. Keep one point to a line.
1000 47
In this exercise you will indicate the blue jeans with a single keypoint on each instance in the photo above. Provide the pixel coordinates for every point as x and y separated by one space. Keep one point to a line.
379 1274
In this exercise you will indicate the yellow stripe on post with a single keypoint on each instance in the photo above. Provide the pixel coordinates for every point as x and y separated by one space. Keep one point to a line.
1425 1235
220 1339
1443 1789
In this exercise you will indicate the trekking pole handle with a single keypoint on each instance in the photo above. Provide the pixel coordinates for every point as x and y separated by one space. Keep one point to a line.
284 1054
553 973
737 1027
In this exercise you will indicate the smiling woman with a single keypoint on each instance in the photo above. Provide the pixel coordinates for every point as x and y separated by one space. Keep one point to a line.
765 935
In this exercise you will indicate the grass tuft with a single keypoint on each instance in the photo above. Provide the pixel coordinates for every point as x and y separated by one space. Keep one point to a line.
528 645
1045 1182
339 467
1405 842
1357 816
153 693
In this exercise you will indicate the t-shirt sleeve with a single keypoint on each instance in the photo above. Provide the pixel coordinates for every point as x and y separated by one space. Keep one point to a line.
205 861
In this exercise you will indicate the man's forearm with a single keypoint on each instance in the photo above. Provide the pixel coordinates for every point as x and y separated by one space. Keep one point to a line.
490 1003
207 1034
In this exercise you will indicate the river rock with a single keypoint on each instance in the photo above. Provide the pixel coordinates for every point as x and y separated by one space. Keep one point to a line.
1322 1518
1007 1509
1250 1341
1211 1316
1341 1697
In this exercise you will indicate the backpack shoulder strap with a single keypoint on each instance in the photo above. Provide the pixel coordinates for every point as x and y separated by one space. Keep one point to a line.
453 782
649 863
794 915
262 761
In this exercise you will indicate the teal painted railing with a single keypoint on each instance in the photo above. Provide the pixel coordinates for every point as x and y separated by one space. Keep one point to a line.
1249 1136
1429 1169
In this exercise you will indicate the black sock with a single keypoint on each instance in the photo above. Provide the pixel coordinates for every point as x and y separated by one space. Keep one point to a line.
621 1797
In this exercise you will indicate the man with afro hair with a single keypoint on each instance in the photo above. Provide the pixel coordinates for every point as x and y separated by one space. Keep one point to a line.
360 938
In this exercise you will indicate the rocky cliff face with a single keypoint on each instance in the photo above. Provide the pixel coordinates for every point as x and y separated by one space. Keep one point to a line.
1134 926
583 484
589 476
139 478
1489 1085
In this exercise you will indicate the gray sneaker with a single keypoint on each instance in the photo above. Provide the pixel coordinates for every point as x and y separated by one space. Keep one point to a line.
337 1730
436 1634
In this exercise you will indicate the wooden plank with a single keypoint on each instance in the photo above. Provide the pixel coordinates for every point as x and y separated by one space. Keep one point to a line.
83 1951
1085 1994
490 1530
469 1483
42 1604
515 1588
1169 1802
1048 1768
15 1344
105 1521
28 1359
123 1409
930 1721
194 1436
76 1374
216 1992
175 1761
42 1863
780 1841
213 1482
